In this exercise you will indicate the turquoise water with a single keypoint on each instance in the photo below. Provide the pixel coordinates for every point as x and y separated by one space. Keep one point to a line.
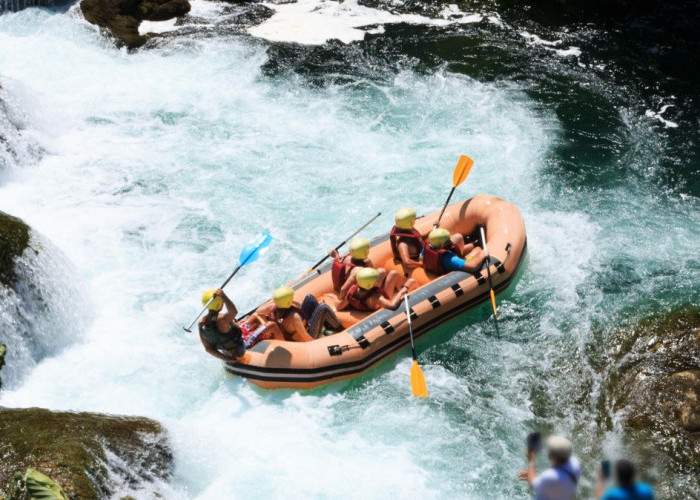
157 166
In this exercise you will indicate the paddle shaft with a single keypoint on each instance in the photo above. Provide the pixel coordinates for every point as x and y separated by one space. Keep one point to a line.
344 242
488 270
410 327
445 206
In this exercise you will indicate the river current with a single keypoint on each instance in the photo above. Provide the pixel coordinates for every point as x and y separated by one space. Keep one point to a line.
149 170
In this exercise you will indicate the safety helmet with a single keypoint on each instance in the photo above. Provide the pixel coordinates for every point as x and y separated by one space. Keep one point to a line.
438 237
215 305
359 248
367 277
283 297
405 218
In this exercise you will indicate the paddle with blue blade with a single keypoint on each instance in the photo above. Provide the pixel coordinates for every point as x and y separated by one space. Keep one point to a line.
250 253
418 386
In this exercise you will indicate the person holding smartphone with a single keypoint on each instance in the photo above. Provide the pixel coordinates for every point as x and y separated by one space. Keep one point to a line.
627 488
560 481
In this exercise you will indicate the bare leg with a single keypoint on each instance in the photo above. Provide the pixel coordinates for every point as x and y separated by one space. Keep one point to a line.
474 259
391 283
458 241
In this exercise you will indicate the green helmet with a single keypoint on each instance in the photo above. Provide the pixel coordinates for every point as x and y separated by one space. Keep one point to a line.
405 218
283 297
438 237
359 248
367 277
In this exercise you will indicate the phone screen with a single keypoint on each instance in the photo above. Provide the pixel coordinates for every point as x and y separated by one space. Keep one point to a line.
534 441
605 469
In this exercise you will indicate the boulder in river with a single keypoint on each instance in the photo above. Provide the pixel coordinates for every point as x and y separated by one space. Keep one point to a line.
89 455
653 389
123 17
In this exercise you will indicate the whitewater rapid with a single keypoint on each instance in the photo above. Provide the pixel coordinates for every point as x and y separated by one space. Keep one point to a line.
159 165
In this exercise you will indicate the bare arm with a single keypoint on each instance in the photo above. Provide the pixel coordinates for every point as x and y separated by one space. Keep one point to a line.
530 473
231 310
296 325
405 255
349 282
394 302
600 485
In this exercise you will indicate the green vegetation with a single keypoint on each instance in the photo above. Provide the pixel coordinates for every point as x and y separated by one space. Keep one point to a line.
14 238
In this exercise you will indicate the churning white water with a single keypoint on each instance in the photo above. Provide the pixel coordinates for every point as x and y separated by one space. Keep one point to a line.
158 167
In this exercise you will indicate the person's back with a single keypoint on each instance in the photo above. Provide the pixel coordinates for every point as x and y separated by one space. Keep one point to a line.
627 488
558 482
637 491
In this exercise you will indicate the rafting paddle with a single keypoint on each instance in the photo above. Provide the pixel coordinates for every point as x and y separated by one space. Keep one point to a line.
249 253
417 379
343 243
488 271
464 165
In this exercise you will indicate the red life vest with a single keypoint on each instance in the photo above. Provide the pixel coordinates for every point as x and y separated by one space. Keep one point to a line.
410 236
357 297
432 258
340 270
278 315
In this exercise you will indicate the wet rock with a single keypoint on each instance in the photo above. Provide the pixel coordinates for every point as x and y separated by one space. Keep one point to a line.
654 385
123 17
14 239
89 455
3 351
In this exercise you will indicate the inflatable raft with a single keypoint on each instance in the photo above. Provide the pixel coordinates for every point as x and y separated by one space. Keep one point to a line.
370 337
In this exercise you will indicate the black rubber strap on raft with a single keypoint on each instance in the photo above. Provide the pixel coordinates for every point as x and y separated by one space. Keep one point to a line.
434 301
414 316
479 278
362 340
388 329
457 290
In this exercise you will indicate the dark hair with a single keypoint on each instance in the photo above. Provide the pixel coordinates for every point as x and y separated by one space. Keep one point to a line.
624 472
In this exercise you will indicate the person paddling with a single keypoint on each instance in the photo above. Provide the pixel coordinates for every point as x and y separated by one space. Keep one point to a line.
345 268
218 332
406 241
367 295
444 252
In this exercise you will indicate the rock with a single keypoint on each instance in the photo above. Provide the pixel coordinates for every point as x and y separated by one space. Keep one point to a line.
3 351
123 17
87 454
654 385
14 239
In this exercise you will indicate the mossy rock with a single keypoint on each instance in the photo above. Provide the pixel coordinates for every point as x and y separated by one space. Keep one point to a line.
70 449
3 352
14 239
654 385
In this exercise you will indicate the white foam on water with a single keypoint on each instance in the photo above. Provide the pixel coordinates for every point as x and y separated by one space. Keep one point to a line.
157 26
314 22
160 165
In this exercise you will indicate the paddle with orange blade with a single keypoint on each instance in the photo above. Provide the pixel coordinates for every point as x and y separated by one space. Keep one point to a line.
464 165
417 379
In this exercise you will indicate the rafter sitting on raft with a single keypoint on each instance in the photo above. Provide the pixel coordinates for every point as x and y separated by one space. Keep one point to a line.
368 295
345 268
444 253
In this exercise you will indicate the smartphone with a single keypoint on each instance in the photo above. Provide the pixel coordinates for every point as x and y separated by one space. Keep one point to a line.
605 469
534 441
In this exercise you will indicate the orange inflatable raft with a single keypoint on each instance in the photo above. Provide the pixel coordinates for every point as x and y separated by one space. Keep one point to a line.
370 337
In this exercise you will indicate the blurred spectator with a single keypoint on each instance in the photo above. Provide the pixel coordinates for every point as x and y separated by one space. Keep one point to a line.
559 482
627 488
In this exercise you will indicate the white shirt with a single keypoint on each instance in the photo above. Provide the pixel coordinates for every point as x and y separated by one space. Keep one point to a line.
556 484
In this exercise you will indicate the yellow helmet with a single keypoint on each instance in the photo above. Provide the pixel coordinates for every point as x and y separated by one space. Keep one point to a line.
438 237
367 277
283 297
359 248
405 218
215 305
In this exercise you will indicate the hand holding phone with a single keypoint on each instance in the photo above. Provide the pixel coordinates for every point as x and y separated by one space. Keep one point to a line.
605 469
534 442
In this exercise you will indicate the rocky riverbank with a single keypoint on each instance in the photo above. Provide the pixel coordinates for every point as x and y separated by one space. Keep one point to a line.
89 455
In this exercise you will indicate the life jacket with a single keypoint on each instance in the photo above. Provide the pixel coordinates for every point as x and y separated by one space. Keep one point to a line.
410 236
340 270
229 341
278 316
357 297
432 258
